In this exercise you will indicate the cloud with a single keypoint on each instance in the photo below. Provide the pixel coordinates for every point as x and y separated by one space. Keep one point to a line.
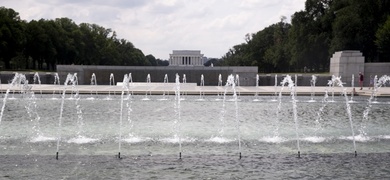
159 26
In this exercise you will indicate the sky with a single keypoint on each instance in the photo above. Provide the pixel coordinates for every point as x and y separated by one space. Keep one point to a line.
159 26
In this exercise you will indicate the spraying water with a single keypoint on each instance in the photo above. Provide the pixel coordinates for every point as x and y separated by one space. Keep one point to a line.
291 86
257 86
337 81
130 83
230 84
332 84
70 78
112 83
201 93
148 81
353 87
219 81
377 85
32 111
125 88
129 107
184 82
276 88
56 82
93 83
177 121
80 121
237 82
37 80
17 80
325 102
165 82
313 85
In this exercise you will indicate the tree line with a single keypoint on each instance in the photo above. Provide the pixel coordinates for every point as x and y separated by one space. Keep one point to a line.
308 42
314 34
42 44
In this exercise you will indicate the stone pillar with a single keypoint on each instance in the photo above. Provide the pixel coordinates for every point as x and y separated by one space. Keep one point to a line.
346 63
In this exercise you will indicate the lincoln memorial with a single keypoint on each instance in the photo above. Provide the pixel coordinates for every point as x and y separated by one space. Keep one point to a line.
186 58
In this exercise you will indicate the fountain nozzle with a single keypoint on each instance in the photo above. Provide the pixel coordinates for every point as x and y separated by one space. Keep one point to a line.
240 155
57 155
299 154
355 153
179 155
119 155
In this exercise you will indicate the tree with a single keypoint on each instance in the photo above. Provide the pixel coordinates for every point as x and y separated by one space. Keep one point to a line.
383 40
151 60
11 35
162 62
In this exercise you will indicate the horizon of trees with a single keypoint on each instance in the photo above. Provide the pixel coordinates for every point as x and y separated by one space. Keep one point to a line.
42 44
315 34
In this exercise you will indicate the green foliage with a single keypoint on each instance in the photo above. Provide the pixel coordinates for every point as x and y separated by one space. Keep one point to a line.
383 40
315 33
265 49
11 35
44 43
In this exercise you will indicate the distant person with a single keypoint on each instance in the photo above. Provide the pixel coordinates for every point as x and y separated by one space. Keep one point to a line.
361 79
371 82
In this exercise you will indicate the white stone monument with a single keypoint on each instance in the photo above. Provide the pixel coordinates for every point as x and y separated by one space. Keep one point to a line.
186 58
346 63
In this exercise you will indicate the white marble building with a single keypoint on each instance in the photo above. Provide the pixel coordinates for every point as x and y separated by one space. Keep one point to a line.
186 58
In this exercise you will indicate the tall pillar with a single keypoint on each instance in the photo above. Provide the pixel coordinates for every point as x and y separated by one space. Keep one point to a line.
346 63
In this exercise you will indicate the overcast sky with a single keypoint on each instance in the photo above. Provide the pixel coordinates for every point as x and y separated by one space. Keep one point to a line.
159 26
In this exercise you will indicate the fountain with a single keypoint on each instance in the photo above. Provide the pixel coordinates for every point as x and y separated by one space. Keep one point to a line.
130 83
237 82
257 87
37 80
112 83
56 82
313 85
331 83
184 82
276 88
165 84
125 88
377 84
32 111
201 93
337 81
177 121
148 82
353 87
93 83
220 82
69 79
292 86
195 126
16 81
